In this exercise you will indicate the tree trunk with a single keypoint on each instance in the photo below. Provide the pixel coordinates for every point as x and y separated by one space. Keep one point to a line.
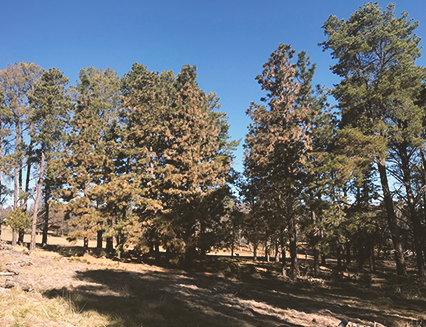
232 244
316 261
277 251
46 216
294 264
14 237
424 199
86 245
348 254
372 261
21 202
255 252
109 246
29 161
21 234
37 200
1 194
267 254
99 239
157 250
283 257
339 256
417 227
15 173
392 220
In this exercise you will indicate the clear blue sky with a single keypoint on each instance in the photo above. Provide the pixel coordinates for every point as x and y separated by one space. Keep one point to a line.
228 40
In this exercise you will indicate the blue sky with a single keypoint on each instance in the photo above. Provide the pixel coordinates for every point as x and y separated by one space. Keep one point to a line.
228 41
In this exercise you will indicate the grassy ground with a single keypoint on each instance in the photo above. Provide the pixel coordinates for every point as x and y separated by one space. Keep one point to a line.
64 289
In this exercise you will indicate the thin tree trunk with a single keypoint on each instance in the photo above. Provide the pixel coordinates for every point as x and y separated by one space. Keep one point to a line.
21 202
99 239
15 179
232 243
283 256
14 237
15 171
314 242
392 220
277 251
157 250
1 194
46 216
267 254
348 254
37 200
294 264
29 161
417 227
339 256
86 245
372 259
424 199
316 261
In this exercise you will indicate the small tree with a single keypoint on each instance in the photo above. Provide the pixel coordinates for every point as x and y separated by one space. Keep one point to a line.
18 220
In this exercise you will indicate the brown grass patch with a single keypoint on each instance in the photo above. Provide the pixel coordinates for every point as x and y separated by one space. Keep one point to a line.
91 291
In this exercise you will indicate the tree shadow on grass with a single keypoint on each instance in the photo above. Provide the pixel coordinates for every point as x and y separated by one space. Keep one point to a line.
176 299
159 299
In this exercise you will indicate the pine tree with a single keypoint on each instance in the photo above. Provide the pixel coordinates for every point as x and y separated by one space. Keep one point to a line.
376 54
49 118
89 159
17 82
279 140
178 159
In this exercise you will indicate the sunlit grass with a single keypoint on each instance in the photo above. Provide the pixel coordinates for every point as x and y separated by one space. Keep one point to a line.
19 308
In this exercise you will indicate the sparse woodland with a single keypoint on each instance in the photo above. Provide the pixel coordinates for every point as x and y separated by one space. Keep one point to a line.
143 162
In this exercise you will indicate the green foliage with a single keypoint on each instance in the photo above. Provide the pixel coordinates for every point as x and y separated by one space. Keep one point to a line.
278 146
378 95
178 157
87 166
18 220
17 82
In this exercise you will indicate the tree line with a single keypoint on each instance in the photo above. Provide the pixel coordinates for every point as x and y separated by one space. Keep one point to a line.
145 160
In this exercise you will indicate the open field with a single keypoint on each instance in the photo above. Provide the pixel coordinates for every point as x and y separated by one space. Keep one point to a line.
56 287
6 235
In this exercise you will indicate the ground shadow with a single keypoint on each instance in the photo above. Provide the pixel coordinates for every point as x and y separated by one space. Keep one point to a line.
159 299
154 299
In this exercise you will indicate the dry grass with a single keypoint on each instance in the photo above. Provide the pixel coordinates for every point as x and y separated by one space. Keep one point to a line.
20 308
90 291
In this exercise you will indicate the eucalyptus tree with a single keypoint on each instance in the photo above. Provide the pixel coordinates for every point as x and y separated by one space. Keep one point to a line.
376 53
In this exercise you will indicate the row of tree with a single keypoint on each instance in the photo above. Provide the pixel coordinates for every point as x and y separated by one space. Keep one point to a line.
324 175
145 160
